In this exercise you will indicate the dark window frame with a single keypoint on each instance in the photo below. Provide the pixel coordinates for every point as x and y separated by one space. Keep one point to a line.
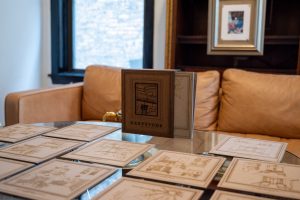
62 71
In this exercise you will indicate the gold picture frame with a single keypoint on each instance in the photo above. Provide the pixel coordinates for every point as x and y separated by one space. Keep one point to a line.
236 27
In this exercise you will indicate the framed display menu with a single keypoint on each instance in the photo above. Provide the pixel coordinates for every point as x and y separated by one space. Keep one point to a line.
18 132
83 132
10 167
128 188
222 195
112 152
178 167
38 149
184 102
148 102
263 177
56 179
250 148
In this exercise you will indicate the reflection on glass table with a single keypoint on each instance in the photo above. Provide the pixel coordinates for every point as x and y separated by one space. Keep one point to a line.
200 143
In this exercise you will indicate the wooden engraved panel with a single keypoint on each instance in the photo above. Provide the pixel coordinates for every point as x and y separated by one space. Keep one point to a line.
20 132
148 102
222 195
38 149
128 188
251 148
10 167
112 152
84 132
182 168
56 179
263 177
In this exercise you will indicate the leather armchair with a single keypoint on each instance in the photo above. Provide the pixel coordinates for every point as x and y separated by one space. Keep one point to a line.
100 92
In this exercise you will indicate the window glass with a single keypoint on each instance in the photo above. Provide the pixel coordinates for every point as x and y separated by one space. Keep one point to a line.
108 32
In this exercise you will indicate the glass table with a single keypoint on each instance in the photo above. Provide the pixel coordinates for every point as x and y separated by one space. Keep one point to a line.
200 143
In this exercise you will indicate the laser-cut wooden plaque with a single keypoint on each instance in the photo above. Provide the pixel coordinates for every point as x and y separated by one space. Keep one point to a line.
222 195
263 177
148 102
112 152
10 167
251 148
56 179
18 132
83 132
38 149
128 188
178 167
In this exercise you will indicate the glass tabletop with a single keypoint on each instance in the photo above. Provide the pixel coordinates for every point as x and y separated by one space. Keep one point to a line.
200 143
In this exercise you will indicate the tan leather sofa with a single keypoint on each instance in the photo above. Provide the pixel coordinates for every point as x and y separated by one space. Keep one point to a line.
100 92
253 105
247 104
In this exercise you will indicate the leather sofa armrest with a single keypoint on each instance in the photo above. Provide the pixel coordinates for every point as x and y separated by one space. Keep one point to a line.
61 103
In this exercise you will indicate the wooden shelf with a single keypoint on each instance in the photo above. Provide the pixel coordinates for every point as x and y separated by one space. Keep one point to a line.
186 39
269 39
192 39
282 39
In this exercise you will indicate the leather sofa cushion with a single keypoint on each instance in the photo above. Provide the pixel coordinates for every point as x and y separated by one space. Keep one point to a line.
101 92
207 100
256 103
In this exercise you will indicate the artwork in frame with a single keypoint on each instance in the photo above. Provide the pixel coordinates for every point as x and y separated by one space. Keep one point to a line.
236 27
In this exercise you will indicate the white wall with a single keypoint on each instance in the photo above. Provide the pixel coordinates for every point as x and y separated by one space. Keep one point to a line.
46 44
25 44
159 34
20 47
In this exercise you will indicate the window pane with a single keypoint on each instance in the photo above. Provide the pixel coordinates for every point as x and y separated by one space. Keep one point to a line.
108 32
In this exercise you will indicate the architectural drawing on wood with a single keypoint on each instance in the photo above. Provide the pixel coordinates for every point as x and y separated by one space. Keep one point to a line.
266 178
112 152
222 195
10 167
183 168
251 148
56 179
148 102
267 171
38 149
128 188
146 99
83 132
18 132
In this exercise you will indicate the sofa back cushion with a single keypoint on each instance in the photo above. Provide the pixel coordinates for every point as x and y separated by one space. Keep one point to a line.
101 91
207 100
258 103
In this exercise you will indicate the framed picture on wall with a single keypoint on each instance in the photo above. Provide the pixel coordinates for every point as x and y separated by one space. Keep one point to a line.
236 27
